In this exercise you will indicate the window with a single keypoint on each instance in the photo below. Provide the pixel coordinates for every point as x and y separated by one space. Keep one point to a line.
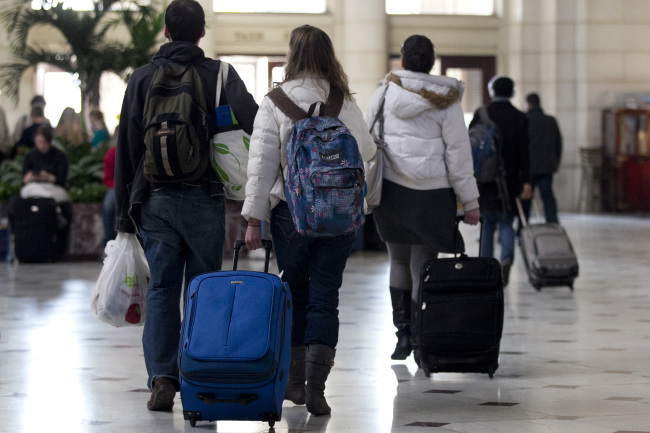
79 5
440 7
284 6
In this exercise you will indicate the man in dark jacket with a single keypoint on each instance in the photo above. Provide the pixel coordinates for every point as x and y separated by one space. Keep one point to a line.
545 155
497 203
182 224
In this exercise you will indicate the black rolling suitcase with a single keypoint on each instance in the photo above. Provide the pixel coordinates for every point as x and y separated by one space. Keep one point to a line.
460 315
548 253
36 225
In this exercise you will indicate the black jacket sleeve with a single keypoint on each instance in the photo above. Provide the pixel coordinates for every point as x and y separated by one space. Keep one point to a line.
130 145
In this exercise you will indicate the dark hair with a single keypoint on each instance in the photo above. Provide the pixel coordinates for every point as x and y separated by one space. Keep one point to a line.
96 114
38 100
44 131
502 86
311 51
185 20
418 54
37 111
533 100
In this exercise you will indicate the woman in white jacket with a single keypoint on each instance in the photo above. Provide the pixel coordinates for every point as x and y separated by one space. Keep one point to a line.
427 170
313 266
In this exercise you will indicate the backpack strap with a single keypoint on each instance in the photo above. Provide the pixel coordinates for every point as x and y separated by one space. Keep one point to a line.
287 106
333 105
331 108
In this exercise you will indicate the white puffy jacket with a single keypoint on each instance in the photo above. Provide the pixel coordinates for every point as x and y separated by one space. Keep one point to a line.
427 141
268 146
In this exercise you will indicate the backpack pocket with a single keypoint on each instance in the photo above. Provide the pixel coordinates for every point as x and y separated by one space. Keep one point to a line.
175 152
337 197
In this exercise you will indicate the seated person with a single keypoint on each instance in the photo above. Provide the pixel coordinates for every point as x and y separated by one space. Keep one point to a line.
45 173
45 163
100 133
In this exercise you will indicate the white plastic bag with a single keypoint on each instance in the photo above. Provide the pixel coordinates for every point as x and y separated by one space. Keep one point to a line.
121 289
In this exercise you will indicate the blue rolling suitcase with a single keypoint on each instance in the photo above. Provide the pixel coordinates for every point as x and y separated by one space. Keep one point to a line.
235 346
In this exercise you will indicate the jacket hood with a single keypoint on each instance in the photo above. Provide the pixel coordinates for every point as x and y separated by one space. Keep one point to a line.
410 93
179 52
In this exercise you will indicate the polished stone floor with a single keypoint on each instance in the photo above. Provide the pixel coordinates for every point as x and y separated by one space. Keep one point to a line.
571 362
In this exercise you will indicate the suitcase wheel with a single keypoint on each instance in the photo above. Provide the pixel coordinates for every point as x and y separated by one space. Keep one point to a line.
192 417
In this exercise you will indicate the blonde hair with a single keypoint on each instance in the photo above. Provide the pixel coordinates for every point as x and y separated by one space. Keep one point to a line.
311 52
69 127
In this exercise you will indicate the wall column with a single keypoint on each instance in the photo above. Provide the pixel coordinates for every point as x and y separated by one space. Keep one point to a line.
361 43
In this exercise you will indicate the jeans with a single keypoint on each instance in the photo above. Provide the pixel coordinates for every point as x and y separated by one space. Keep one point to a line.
545 184
183 230
313 267
504 222
108 214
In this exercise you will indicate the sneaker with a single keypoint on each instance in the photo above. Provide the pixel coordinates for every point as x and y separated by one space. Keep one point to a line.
505 272
162 395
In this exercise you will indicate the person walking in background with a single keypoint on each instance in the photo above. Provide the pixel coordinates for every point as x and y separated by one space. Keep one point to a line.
499 208
100 133
68 129
545 156
182 223
313 266
427 171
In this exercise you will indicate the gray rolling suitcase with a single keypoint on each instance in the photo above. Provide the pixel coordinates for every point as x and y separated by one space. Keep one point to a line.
548 254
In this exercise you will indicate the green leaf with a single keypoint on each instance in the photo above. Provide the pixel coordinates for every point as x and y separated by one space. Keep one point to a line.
221 148
247 143
222 174
236 187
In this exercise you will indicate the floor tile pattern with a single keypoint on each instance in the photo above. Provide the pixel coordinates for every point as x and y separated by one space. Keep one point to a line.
574 362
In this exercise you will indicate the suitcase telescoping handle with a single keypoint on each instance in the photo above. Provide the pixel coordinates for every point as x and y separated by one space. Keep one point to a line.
268 245
520 209
459 219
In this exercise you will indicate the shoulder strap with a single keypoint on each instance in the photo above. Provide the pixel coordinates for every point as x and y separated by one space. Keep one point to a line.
331 108
333 105
286 105
380 114
222 79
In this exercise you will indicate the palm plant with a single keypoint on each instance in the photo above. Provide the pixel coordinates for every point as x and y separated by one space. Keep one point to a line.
89 51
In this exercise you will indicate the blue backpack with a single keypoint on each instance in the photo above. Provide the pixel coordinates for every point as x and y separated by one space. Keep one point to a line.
325 185
485 139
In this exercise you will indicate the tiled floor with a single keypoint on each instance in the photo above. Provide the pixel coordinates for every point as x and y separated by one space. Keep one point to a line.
571 361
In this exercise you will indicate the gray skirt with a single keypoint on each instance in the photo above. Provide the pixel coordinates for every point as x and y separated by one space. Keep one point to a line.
409 216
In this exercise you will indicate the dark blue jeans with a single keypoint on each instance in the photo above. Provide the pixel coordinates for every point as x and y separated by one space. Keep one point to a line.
313 267
183 229
503 221
545 184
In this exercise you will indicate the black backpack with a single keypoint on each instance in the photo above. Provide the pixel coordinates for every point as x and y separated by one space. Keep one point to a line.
176 123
